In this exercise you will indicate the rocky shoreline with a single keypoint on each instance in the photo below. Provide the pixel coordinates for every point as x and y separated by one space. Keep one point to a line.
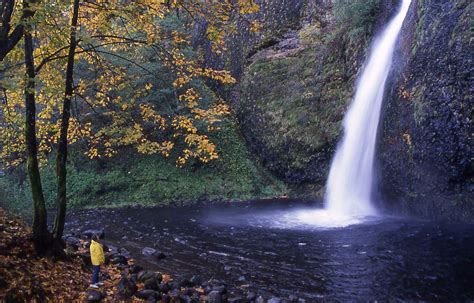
138 282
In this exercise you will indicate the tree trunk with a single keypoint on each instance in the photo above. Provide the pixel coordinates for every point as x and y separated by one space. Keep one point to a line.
41 235
10 38
61 159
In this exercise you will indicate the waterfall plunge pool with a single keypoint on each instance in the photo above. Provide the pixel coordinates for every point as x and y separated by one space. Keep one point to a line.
264 247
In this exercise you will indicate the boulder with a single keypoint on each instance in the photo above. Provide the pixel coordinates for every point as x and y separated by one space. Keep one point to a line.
151 283
113 249
174 284
126 289
251 296
119 259
185 283
148 251
125 252
175 295
144 275
145 294
164 287
293 299
72 241
159 255
214 297
165 299
195 280
135 269
221 289
94 296
87 234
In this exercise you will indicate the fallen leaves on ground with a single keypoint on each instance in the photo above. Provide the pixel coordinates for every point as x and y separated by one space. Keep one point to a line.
26 277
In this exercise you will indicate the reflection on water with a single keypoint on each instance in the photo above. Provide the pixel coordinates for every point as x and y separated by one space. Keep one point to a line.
300 218
270 247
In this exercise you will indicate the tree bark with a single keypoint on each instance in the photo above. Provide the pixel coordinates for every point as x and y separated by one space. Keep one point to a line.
9 40
61 158
41 235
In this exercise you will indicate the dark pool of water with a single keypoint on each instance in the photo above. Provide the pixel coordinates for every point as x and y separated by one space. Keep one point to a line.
385 259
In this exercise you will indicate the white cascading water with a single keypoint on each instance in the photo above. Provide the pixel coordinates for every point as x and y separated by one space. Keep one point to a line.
349 186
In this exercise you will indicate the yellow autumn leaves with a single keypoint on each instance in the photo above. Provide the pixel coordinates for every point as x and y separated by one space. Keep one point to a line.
112 108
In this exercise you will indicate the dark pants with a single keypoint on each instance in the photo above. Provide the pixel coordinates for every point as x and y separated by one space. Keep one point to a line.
95 274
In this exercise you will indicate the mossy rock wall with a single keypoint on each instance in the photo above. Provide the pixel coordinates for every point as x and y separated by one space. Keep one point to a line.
294 92
426 148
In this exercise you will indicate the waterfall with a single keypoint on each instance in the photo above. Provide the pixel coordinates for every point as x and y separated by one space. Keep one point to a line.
350 182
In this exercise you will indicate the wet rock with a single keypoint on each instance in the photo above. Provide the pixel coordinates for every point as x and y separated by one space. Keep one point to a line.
293 299
151 284
159 255
135 269
119 259
195 280
148 251
185 283
125 252
113 249
236 300
227 269
94 296
152 300
215 282
126 289
174 295
145 275
72 241
145 294
188 291
90 232
215 297
251 296
164 287
133 278
260 299
274 300
174 285
221 289
165 299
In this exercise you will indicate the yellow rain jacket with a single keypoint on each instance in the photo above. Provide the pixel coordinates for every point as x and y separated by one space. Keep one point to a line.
97 253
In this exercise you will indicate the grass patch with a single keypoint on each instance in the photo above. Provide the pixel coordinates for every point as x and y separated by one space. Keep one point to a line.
152 180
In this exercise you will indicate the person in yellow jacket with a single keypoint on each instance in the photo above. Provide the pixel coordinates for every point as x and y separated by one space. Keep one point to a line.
97 258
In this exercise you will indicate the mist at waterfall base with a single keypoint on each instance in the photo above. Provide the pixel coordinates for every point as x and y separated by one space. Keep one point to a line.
350 183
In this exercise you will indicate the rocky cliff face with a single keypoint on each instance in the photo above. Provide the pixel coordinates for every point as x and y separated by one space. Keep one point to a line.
297 78
296 87
426 147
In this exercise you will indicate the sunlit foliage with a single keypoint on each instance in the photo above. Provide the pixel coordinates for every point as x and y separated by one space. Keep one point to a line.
138 82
